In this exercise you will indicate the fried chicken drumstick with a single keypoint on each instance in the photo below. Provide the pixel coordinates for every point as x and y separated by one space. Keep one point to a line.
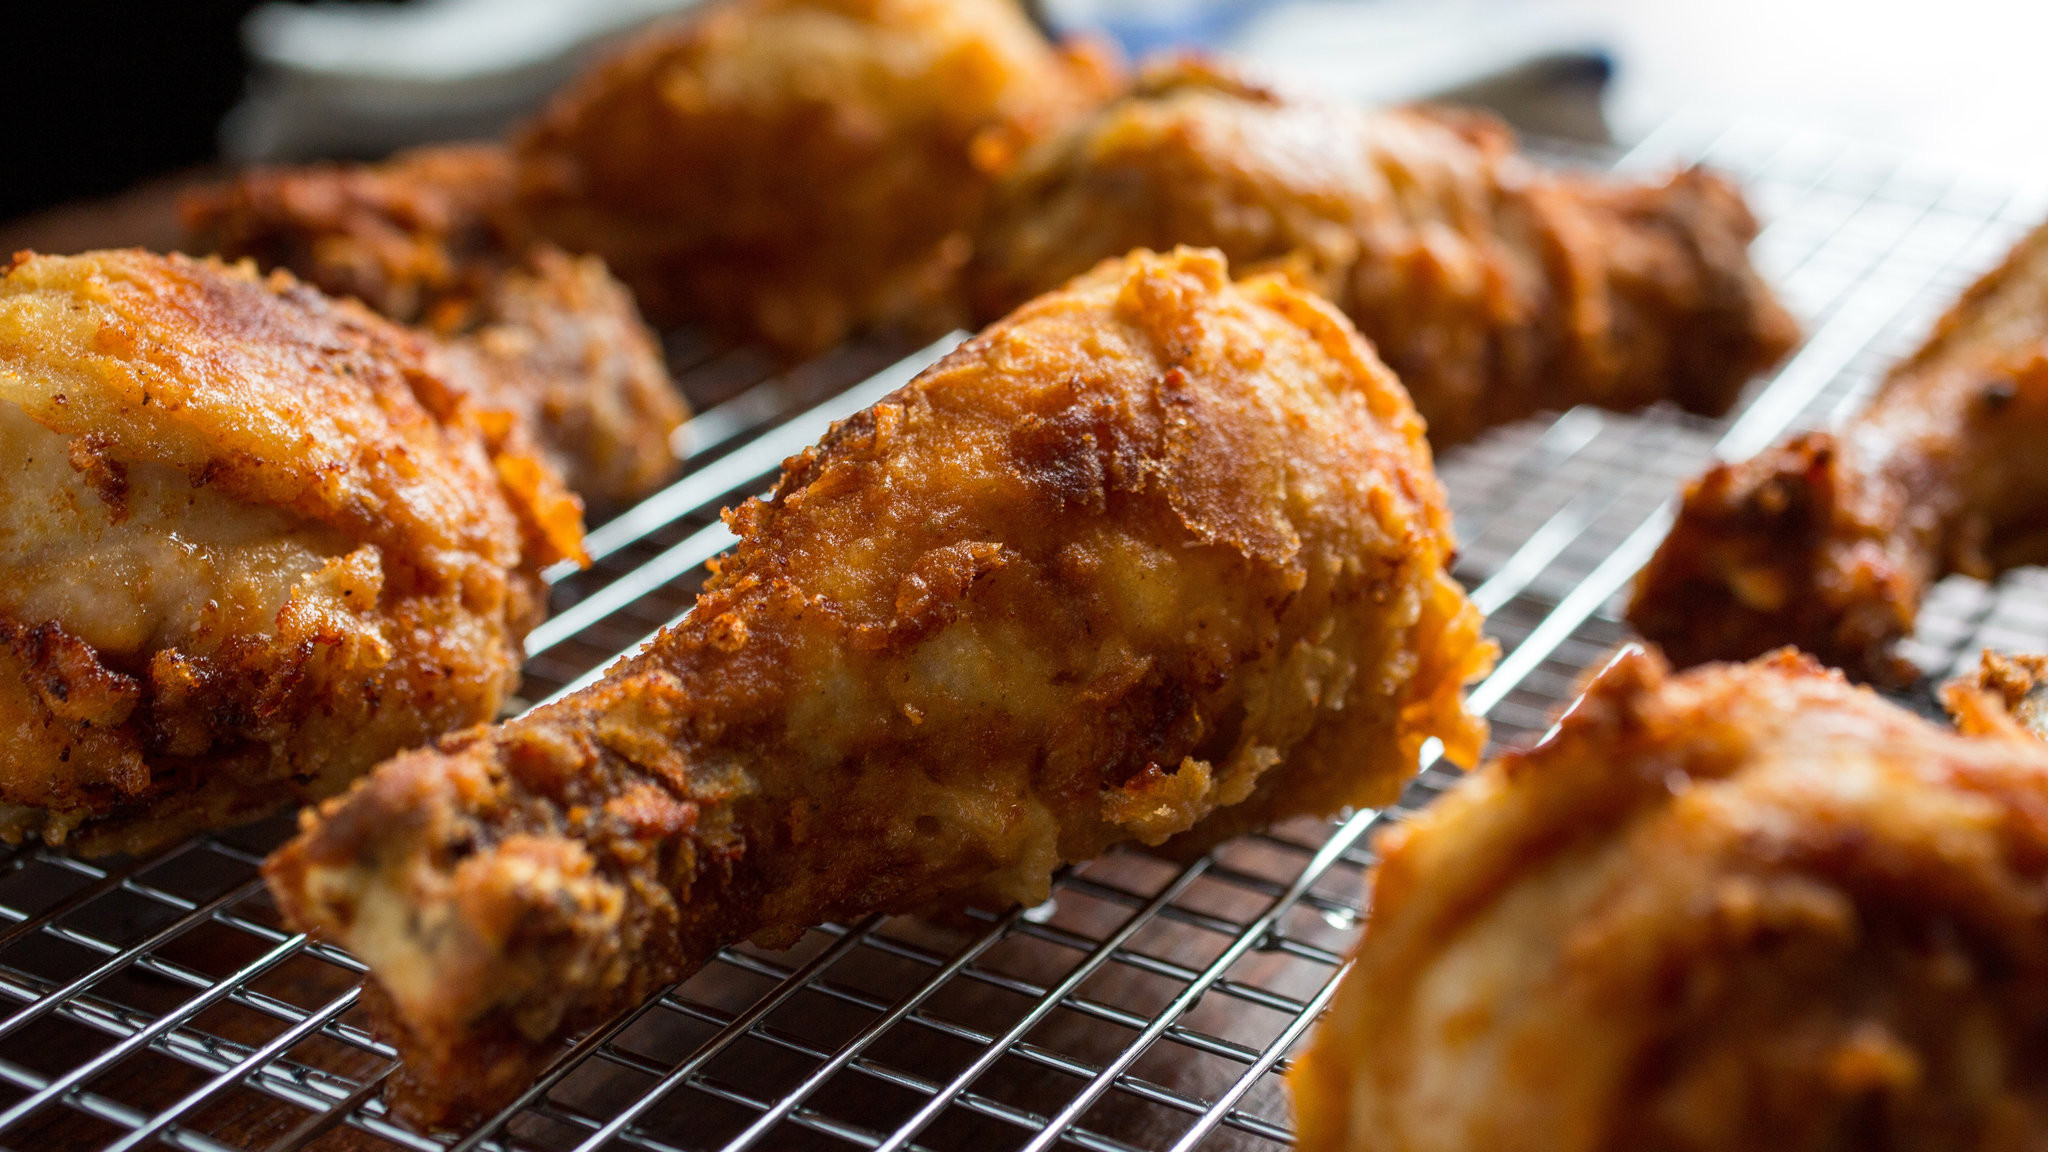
1747 907
1492 288
792 171
428 238
1830 540
1157 555
254 541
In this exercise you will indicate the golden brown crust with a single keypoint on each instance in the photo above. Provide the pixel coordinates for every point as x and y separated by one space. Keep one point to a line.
2007 696
1829 540
1158 555
792 171
1746 907
417 238
255 544
560 345
428 238
1491 288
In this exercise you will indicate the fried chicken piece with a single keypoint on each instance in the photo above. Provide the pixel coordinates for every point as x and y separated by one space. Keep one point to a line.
256 541
793 171
428 238
1493 289
1830 540
1747 907
1158 555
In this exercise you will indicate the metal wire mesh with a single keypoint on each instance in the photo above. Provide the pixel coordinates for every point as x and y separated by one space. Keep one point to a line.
1151 1004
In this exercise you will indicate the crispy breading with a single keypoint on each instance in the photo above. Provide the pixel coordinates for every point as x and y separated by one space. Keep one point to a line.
1747 907
560 345
428 238
2007 694
1829 540
1493 289
255 541
1157 556
793 171
417 237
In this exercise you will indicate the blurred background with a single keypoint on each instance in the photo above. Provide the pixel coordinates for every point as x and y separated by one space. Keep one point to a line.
113 103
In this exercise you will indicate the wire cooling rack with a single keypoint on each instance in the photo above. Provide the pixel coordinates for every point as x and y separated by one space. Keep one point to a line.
1151 1004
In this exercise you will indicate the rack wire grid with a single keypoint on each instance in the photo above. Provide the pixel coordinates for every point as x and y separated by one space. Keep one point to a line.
1151 1004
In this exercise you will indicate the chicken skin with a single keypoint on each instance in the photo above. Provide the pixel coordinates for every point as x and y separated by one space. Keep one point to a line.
254 541
1830 540
1747 907
428 238
1492 288
793 171
1158 555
